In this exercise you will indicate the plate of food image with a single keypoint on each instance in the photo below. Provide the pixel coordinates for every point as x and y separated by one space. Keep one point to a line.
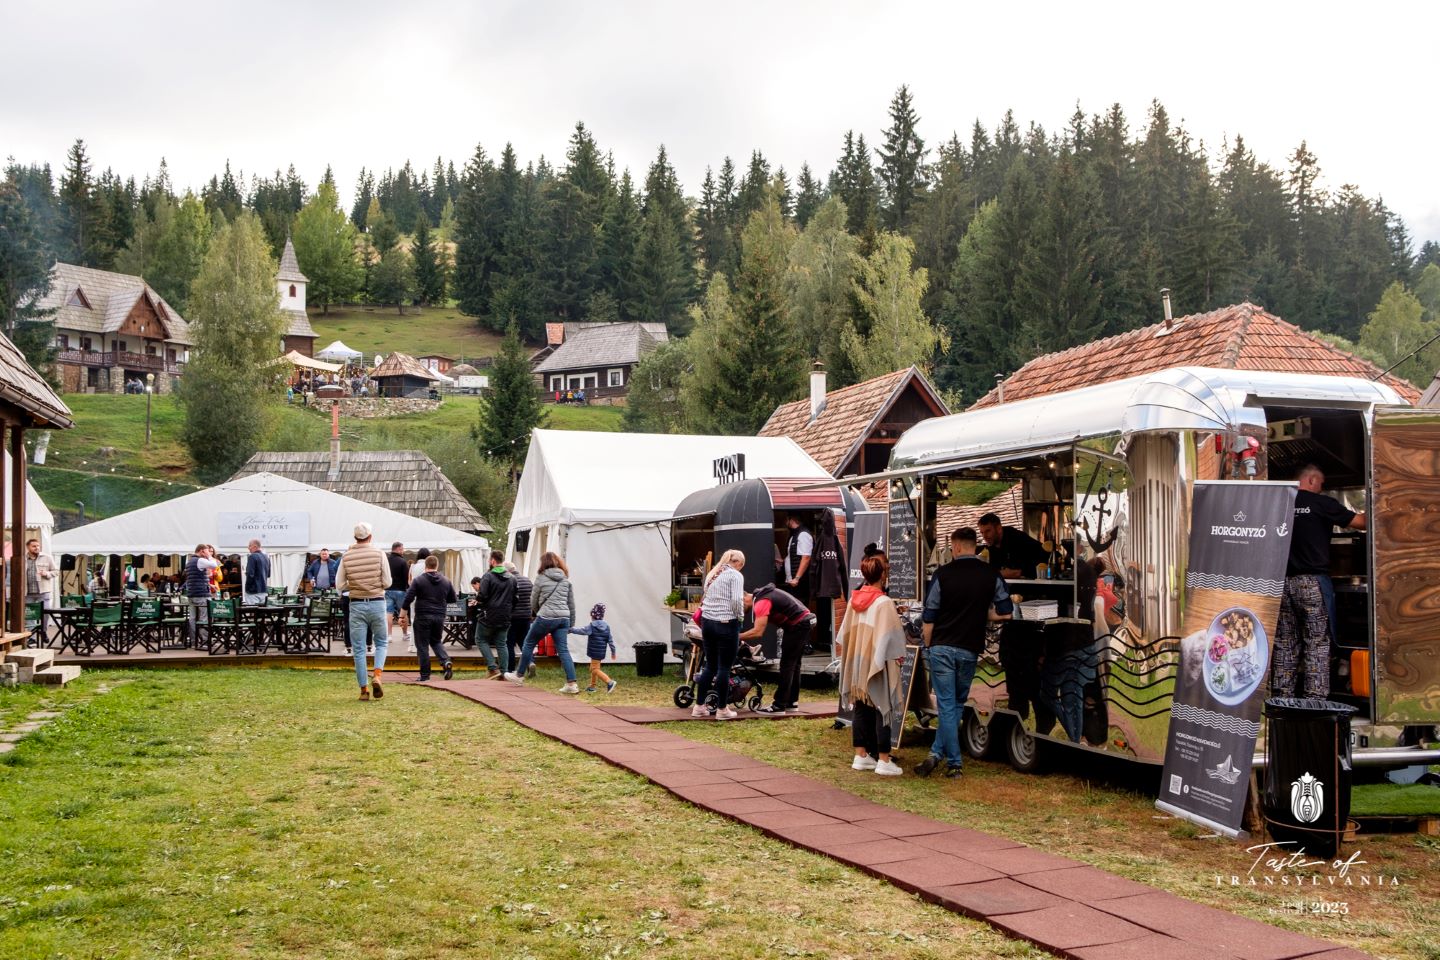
1236 656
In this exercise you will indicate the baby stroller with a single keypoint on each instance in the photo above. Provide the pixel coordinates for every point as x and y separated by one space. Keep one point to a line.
745 688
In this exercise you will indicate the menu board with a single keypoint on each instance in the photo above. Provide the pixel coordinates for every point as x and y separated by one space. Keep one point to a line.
903 539
907 690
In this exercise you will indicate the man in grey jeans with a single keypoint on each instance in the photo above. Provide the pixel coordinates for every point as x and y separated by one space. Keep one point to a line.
197 590
365 573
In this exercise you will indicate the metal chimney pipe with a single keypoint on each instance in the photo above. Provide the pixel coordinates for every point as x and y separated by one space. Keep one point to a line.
1165 300
817 389
999 388
334 440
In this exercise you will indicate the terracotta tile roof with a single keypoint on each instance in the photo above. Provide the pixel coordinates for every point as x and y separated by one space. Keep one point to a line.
1239 337
554 334
403 365
832 438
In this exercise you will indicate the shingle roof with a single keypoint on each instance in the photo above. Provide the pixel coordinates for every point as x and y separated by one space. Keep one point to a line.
1239 337
570 328
289 266
22 386
299 324
847 418
403 365
463 370
111 297
406 481
1431 396
600 345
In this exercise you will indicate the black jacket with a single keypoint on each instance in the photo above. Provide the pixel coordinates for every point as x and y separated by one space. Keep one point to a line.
496 598
832 578
523 589
431 593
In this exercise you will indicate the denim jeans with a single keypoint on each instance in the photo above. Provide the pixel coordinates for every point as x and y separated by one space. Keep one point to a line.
1073 672
559 628
951 672
486 636
367 617
722 641
428 634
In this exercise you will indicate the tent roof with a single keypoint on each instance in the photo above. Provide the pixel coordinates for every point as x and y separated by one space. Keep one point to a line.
175 526
338 349
577 476
36 513
299 359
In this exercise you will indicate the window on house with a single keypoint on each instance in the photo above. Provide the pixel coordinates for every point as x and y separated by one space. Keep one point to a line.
170 354
292 289
557 383
617 378
86 343
77 299
120 345
62 341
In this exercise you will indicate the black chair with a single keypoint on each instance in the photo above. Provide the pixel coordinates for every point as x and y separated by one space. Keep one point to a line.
313 627
104 628
457 626
227 633
146 623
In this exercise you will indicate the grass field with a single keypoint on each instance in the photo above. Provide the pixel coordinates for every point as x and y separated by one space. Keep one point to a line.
422 330
1396 800
249 813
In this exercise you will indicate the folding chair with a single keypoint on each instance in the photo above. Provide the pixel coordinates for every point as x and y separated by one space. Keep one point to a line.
226 633
146 623
35 624
314 628
104 628
457 626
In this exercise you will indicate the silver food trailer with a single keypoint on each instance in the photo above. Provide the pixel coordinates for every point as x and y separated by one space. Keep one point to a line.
1109 470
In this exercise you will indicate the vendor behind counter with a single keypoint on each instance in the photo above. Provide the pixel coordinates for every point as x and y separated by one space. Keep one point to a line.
1013 552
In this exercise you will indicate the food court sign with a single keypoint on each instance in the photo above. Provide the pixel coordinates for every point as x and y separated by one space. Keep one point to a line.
282 529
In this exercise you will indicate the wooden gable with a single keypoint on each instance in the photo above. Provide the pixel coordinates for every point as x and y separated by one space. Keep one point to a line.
144 322
911 404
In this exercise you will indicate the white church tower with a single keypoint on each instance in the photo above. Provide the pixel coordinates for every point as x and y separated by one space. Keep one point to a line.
291 284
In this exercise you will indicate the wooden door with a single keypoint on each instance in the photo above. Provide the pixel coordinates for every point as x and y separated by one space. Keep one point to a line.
1405 544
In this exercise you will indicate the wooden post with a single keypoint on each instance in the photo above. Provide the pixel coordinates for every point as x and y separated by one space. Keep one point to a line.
17 529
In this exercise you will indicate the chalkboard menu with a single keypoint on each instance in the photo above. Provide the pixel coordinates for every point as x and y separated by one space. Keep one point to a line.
907 689
903 539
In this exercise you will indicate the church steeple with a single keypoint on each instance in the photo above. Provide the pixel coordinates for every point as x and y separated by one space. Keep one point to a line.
290 280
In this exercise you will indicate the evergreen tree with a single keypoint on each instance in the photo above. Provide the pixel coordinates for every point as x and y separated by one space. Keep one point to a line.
230 386
474 240
808 196
364 193
82 218
941 217
1427 291
510 409
893 332
222 195
392 280
665 263
169 249
24 280
325 247
384 232
818 285
1209 253
853 181
620 253
577 203
754 187
902 163
429 265
713 219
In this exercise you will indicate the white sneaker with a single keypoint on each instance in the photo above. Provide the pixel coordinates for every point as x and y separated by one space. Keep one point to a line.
726 714
699 712
570 688
514 678
888 768
866 762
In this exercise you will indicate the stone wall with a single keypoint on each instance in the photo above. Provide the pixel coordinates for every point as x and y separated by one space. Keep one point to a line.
373 408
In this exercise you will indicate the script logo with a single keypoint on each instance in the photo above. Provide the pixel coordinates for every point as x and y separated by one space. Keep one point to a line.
1306 800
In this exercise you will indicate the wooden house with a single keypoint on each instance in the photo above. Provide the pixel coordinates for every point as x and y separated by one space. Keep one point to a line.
401 375
598 358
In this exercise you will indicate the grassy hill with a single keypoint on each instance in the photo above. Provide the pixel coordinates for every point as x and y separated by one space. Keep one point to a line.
104 462
421 330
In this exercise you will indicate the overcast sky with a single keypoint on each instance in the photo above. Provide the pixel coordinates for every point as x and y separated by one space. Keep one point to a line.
358 83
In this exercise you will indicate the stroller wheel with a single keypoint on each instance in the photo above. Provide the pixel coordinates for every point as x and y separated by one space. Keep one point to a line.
754 703
684 696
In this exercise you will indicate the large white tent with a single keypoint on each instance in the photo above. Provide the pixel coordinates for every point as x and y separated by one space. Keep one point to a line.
288 517
338 351
38 518
578 486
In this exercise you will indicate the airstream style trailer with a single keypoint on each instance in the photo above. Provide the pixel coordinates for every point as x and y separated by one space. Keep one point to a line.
1108 471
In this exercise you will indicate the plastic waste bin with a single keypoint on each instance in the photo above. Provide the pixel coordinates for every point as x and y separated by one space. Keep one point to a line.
649 658
1307 773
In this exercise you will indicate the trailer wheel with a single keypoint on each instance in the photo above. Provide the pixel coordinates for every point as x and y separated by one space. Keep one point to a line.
975 737
684 696
1023 748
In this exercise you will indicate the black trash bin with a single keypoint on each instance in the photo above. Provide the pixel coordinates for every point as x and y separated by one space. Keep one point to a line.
1307 773
649 658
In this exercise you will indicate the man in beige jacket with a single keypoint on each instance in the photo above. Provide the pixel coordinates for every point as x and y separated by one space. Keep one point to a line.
365 573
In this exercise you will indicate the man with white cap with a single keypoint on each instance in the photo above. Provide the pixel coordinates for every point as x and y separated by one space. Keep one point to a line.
365 573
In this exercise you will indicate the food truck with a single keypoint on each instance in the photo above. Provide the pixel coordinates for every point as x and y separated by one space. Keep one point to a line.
1108 471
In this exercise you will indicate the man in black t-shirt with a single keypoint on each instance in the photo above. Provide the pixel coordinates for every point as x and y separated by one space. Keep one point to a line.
1307 611
1013 552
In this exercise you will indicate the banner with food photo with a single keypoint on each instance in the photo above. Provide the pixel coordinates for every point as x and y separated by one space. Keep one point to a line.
1239 546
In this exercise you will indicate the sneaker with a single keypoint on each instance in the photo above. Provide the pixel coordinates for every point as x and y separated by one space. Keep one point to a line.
376 690
531 675
610 687
589 689
726 714
422 679
927 766
888 768
571 687
364 693
773 709
699 711
866 762
512 677
954 770
449 669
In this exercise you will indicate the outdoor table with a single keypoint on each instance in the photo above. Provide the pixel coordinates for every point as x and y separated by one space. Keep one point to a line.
269 623
67 619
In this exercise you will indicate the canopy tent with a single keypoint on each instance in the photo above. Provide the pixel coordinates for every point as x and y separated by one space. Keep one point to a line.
39 521
295 518
298 359
338 351
580 488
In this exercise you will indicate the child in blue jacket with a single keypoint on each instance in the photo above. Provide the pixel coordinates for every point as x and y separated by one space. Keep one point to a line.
600 642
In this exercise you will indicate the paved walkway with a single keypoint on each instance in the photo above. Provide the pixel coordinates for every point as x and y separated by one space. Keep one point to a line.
1062 905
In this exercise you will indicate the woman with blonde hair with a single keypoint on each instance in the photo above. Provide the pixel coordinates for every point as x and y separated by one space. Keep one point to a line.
721 611
871 646
553 604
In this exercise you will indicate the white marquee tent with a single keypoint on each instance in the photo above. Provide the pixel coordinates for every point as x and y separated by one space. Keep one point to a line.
288 517
338 351
38 518
577 484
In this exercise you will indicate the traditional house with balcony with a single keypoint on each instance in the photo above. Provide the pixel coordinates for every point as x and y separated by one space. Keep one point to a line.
598 358
111 328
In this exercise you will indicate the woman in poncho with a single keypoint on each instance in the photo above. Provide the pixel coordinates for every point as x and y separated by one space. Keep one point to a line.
871 645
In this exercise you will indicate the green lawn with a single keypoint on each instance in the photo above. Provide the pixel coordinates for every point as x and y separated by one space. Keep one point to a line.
1396 800
266 813
422 330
